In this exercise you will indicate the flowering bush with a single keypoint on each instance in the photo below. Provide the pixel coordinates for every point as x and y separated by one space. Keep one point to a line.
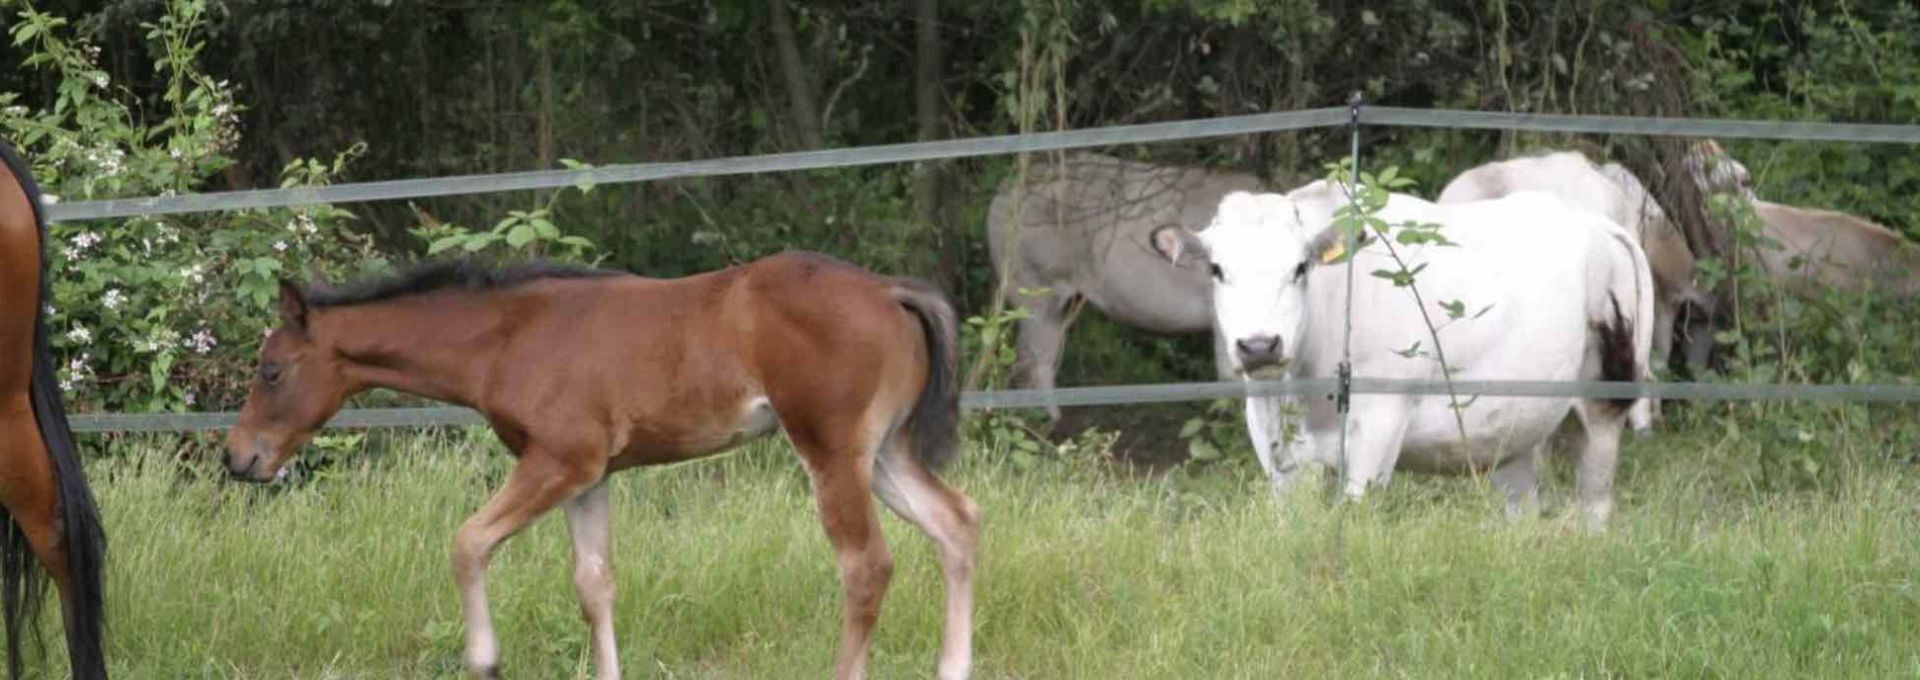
159 313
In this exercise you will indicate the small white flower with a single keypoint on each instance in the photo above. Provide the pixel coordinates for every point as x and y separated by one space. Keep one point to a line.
70 253
189 398
176 153
85 240
203 341
80 336
100 79
113 299
16 110
221 109
280 246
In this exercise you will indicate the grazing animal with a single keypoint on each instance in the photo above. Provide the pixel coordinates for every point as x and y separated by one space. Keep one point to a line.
1815 248
49 512
1612 192
1079 231
1567 296
584 372
1829 249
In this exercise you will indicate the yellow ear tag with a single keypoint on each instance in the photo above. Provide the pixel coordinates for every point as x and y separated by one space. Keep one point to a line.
1333 253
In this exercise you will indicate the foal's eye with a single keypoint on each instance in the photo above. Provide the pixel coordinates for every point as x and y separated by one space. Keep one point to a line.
1300 272
270 373
1215 269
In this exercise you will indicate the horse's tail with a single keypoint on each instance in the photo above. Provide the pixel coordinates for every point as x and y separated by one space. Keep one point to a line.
936 417
81 536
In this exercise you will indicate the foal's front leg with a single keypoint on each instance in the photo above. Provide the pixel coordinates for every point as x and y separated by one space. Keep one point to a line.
538 482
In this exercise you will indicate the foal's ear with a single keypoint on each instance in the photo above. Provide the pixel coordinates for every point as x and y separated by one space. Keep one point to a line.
293 306
1179 246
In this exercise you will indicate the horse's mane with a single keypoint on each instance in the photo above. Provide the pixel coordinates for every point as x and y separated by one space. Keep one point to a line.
453 274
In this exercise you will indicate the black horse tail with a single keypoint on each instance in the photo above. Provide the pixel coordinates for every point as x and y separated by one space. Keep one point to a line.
936 417
22 585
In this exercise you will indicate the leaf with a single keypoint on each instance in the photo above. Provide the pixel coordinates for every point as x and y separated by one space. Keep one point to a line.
480 242
445 243
1192 428
521 235
545 229
1409 352
1455 308
1202 450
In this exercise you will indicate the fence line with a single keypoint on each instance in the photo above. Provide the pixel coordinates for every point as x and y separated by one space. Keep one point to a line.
736 165
979 146
1125 394
1627 125
1048 141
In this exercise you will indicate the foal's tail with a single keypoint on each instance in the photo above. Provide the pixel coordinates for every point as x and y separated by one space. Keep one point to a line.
79 520
936 417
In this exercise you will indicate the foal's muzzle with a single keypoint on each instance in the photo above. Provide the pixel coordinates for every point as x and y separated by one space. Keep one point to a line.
248 466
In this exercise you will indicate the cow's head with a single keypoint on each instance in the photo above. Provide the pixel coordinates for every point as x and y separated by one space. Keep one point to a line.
1716 172
1259 253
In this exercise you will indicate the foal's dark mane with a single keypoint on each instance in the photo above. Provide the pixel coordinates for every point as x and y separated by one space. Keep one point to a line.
456 274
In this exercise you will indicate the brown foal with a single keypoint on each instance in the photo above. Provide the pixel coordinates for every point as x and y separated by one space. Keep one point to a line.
48 515
583 372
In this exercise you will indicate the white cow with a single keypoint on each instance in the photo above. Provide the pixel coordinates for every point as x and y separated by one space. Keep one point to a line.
1082 233
1612 192
1568 297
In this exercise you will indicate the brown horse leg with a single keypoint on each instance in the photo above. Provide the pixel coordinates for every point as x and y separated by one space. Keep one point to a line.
538 482
952 521
27 489
841 480
588 520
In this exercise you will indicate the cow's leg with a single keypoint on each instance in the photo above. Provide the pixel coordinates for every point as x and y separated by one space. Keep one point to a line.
1222 361
1518 479
1593 475
1375 427
1043 332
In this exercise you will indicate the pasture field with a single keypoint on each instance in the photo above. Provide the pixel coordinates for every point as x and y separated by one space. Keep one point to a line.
1090 570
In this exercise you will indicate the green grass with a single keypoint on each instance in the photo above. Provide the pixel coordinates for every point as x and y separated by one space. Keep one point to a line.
1088 572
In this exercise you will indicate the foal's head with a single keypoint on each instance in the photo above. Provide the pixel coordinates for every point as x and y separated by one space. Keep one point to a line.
299 385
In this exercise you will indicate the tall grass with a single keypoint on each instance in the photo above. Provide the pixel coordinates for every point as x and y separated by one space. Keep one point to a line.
1088 572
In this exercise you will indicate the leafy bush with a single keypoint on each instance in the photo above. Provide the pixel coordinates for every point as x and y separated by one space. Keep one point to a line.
142 310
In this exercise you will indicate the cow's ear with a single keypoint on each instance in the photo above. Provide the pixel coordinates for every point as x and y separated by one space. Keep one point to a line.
1179 246
1330 246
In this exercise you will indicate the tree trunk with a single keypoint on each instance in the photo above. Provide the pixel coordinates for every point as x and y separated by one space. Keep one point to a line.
930 180
802 96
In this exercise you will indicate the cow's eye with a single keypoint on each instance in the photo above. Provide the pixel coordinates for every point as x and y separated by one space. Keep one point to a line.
1215 269
270 373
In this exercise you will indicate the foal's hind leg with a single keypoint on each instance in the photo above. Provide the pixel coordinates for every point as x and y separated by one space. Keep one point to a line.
589 521
842 476
538 482
953 522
